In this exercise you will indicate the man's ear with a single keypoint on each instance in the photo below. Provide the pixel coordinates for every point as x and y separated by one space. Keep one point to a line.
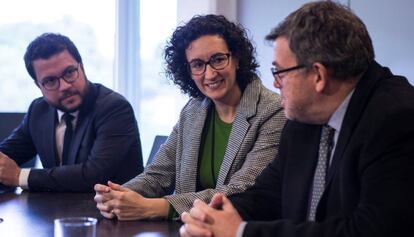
321 77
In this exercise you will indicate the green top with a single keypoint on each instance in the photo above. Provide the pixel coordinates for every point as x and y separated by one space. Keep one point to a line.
212 150
221 132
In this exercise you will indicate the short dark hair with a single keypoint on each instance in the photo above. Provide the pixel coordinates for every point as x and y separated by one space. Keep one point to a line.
235 37
328 33
47 45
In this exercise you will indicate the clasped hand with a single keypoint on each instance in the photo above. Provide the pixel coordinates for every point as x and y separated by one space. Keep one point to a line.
125 204
219 219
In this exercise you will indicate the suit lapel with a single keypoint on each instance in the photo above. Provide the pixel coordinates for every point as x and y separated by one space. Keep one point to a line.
80 131
85 115
237 134
245 110
191 149
357 104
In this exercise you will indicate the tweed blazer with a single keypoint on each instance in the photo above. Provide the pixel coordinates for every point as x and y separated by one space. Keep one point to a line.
252 144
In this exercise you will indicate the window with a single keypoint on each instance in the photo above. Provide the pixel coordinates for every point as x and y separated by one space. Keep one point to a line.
156 101
160 100
21 21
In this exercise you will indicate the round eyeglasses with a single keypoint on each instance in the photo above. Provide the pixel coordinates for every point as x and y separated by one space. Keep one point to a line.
218 61
70 75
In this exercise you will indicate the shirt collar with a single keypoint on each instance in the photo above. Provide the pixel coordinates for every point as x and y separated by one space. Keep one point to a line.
60 113
338 116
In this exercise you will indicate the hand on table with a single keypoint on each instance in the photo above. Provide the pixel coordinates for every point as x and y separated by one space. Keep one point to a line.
126 204
219 219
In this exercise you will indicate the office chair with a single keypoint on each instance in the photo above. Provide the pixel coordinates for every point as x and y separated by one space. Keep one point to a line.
158 141
8 122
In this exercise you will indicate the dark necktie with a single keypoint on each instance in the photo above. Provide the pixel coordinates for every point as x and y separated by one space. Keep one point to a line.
325 147
67 138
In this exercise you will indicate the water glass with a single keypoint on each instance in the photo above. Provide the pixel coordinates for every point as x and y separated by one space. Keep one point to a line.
75 226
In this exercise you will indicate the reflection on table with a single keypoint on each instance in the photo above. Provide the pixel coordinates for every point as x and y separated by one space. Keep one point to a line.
32 214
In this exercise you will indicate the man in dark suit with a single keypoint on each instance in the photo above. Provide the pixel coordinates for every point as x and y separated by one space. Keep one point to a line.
84 133
358 180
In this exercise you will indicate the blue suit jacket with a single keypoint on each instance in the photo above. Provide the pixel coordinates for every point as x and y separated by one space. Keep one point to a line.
105 145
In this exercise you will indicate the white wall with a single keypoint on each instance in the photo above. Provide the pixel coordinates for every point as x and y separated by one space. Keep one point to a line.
259 17
188 8
390 24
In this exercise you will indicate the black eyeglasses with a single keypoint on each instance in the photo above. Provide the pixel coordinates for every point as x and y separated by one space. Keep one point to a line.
277 73
70 75
218 61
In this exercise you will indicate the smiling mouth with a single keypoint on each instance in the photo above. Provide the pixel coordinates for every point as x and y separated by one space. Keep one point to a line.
214 85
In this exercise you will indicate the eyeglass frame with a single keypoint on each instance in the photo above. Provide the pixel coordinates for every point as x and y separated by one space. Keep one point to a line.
62 76
276 73
228 55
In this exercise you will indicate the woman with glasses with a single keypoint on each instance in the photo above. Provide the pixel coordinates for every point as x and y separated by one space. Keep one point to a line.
227 132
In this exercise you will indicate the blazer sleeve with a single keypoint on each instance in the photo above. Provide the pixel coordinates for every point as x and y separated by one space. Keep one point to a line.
264 150
105 149
19 146
159 177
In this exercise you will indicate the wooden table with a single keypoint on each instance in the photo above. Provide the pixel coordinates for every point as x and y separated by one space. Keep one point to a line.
31 214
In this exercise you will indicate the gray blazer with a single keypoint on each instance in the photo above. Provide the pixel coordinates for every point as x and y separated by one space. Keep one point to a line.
253 143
